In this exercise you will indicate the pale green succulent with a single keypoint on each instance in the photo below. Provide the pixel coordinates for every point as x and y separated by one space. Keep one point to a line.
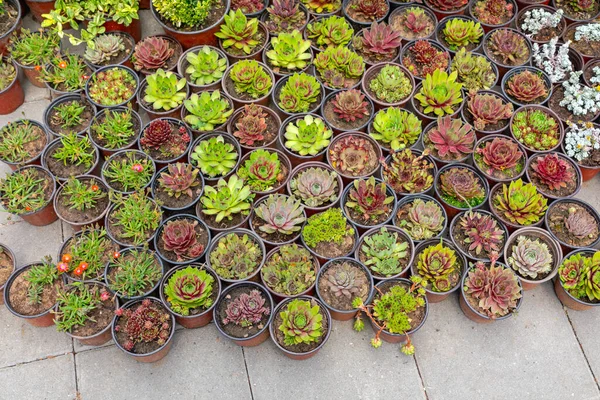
308 136
207 111
205 66
164 90
289 51
215 157
227 199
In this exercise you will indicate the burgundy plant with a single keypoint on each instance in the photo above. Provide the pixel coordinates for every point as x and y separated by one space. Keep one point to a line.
581 224
526 87
499 155
180 237
493 12
369 198
247 6
251 126
427 59
149 322
452 137
152 53
370 10
350 105
488 109
496 288
407 173
416 20
508 46
380 42
157 133
179 179
482 232
246 310
553 171
447 5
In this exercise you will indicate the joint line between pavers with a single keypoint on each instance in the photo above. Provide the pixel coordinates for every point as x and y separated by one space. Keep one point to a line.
36 360
421 377
582 350
247 374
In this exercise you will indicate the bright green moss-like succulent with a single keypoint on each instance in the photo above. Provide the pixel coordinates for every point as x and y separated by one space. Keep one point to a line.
391 84
328 226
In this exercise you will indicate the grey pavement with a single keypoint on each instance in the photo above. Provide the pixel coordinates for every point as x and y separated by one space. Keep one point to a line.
544 352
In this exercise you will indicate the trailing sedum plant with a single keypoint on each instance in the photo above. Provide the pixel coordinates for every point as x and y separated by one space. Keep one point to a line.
520 203
407 172
396 128
227 199
179 179
369 200
315 186
189 289
424 220
205 66
474 71
339 67
488 109
290 51
207 110
180 237
329 32
379 43
307 136
536 129
215 157
250 78
530 257
280 214
495 289
460 33
383 251
301 322
262 170
235 256
482 233
246 310
300 93
152 54
327 226
164 91
440 93
251 126
239 32
290 270
451 139
462 188
527 87
391 85
553 171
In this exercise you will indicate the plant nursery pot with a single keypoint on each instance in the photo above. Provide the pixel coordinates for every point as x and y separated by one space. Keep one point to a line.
358 25
487 27
272 115
258 50
198 133
256 338
185 209
129 103
570 19
509 225
254 226
228 139
565 297
36 160
376 148
425 198
440 14
239 102
5 39
284 162
134 28
77 226
452 211
589 67
438 162
63 99
189 39
311 353
553 197
182 65
111 235
568 35
240 231
439 37
361 228
400 195
340 129
180 158
426 119
137 127
243 224
344 315
471 258
553 246
529 7
433 43
154 114
148 292
167 261
127 60
39 7
13 96
548 111
399 8
197 320
264 17
502 68
280 72
275 95
157 354
565 247
47 154
323 258
314 210
140 156
13 260
494 180
468 117
295 158
536 71
372 73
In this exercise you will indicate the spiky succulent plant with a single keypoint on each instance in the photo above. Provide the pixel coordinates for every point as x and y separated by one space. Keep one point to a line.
424 220
284 16
262 170
592 279
227 199
369 10
553 171
482 233
396 128
149 322
205 66
215 157
247 309
322 6
152 53
495 288
383 251
290 270
235 256
248 6
509 46
301 322
459 33
345 279
447 5
329 32
289 51
251 126
461 187
391 85
249 77
327 226
499 155
440 93
106 47
426 58
239 32
573 273
179 179
299 93
474 71
157 134
368 198
307 136
315 186
520 203
164 90
493 12
189 288
530 257
339 67
207 110
527 87
438 266
407 173
378 43
536 129
415 20
280 214
180 237
581 223
451 138
351 154
350 105
488 109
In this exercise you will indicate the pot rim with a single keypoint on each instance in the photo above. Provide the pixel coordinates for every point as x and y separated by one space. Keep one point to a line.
424 197
511 72
484 183
331 95
374 143
62 99
588 207
82 177
578 178
463 252
7 285
49 139
157 17
570 254
4 248
153 187
549 113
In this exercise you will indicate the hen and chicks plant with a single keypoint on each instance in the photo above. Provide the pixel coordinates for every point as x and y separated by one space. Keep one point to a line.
350 105
284 16
239 32
250 78
164 91
235 256
179 179
474 71
425 59
536 129
407 172
227 199
215 157
440 93
438 265
106 48
527 87
380 42
488 109
451 138
383 251
205 66
396 128
152 54
289 51
301 322
262 171
322 6
180 237
483 234
188 289
247 310
329 32
300 93
493 12
424 220
508 47
447 5
553 171
280 214
351 155
530 257
346 280
580 276
207 111
368 199
315 186
112 87
495 289
251 126
149 322
581 224
290 270
459 33
369 10
168 138
500 156
339 67
413 22
391 85
520 203
461 187
307 136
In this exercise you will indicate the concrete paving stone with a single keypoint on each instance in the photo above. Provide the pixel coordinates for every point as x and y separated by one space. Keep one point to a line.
51 379
200 365
532 355
346 367
31 110
585 325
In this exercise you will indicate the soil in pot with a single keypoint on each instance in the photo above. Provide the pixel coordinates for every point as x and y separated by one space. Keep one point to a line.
237 330
62 170
492 238
8 19
398 22
47 185
268 134
70 214
341 124
55 121
143 347
201 238
19 300
440 60
495 127
359 217
581 218
546 33
577 14
124 134
174 147
585 47
565 115
566 188
300 347
169 65
128 258
224 224
333 295
401 262
7 265
31 148
97 319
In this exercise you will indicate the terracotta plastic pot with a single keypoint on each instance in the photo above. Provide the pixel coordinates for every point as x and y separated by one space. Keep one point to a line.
5 38
339 130
313 210
134 28
361 227
567 248
488 27
502 68
349 178
154 114
514 71
180 158
231 128
137 127
107 279
11 255
77 226
425 198
549 112
123 104
469 257
529 171
295 158
565 297
238 231
530 7
450 209
12 96
139 155
509 225
238 102
49 151
36 160
182 65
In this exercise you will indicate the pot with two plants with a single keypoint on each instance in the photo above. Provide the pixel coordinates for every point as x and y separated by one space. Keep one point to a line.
478 235
459 187
277 219
281 18
422 57
181 239
437 95
408 172
242 38
288 54
587 157
421 217
243 313
413 21
206 112
31 292
190 292
133 220
28 193
115 129
111 48
507 48
449 141
534 255
65 75
573 223
8 264
528 22
304 138
343 76
178 188
388 85
265 172
459 32
297 94
255 127
113 86
474 71
555 175
395 129
128 171
488 112
499 158
525 86
584 39
71 113
347 110
82 201
577 283
166 141
538 129
144 329
71 155
386 251
32 50
353 155
11 92
162 93
440 266
22 143
236 255
493 14
154 53
365 44
244 90
203 67
317 186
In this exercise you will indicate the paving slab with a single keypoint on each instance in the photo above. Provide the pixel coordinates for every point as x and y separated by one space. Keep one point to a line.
51 379
33 110
585 324
346 367
200 365
532 355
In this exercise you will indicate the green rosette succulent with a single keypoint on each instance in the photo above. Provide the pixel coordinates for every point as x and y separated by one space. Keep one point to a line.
250 78
239 32
227 199
207 110
301 322
164 91
440 93
520 203
215 157
307 136
436 264
330 32
205 66
391 84
189 288
289 51
299 93
261 171
396 128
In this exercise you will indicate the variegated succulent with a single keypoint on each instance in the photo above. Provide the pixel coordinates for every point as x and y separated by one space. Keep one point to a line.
520 203
369 200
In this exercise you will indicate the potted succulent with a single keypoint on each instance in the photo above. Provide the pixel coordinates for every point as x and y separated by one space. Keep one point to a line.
225 206
499 158
31 292
584 38
22 143
329 234
368 203
578 10
363 12
144 329
353 155
526 85
343 75
347 110
32 50
490 292
572 101
70 155
11 92
156 52
319 8
12 14
408 172
207 111
242 38
112 86
460 187
181 239
300 327
254 126
203 67
165 140
128 171
243 313
580 145
537 128
133 220
517 205
135 274
413 22
573 223
399 308
250 8
507 48
114 48
339 282
65 74
395 129
190 292
288 53
493 13
422 57
541 23
285 16
178 186
558 62
449 141
555 175
83 256
85 312
474 71
304 138
28 192
289 270
422 217
386 251
478 235
440 266
264 171
379 43
328 32
297 94
576 286
591 73
115 129
69 113
459 32
317 186
388 84
248 81
162 93
489 113
82 201
8 263
277 219
443 8
439 94
534 255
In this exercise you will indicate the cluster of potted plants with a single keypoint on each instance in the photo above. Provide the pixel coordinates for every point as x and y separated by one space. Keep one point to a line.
275 166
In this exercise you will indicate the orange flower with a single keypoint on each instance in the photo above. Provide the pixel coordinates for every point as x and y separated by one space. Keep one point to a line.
27 208
67 258
116 254
94 188
78 271
38 67
83 265
62 267
62 64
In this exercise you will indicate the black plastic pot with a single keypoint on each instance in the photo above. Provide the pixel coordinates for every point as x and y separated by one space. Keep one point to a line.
162 114
212 181
425 198
159 231
77 226
359 128
123 104
49 151
63 99
363 228
536 71
465 254
183 64
149 292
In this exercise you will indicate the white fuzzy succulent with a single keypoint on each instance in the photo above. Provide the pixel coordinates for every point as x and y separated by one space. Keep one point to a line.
537 19
580 140
596 77
555 63
580 99
589 33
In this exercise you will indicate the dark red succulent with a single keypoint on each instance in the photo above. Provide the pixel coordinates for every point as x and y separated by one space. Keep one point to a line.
553 171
